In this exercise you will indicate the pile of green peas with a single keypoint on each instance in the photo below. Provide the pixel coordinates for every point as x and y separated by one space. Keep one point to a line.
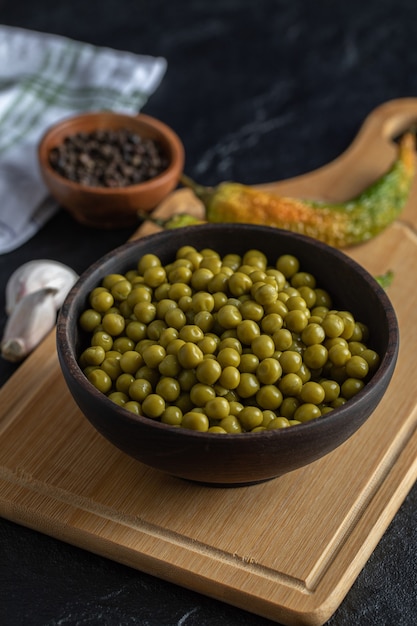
223 344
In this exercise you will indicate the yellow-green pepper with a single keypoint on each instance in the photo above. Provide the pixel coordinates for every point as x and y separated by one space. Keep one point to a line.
340 224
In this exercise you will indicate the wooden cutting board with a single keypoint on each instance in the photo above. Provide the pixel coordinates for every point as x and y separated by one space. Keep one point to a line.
288 549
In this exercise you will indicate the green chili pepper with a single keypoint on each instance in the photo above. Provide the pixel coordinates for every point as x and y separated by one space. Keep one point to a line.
340 224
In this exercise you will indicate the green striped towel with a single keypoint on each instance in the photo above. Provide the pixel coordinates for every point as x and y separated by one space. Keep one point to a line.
44 78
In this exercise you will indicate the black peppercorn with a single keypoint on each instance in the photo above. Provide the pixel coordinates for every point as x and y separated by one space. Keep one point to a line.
108 158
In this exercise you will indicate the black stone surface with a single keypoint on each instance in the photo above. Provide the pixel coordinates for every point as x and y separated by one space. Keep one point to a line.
258 91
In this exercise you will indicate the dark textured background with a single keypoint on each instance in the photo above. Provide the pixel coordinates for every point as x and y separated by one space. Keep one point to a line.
258 91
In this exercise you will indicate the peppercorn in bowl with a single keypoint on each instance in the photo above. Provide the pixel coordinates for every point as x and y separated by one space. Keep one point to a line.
227 354
105 167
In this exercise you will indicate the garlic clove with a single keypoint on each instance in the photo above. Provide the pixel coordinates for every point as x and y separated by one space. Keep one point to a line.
38 274
33 316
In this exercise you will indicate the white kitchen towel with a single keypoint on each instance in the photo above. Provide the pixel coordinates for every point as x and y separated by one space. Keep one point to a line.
44 78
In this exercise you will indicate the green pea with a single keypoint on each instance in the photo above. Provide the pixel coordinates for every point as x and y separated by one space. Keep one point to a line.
231 424
195 421
312 392
308 294
371 357
111 279
133 406
289 406
331 390
248 363
180 274
154 276
204 320
218 284
228 356
312 334
247 330
288 264
135 330
356 347
315 356
271 323
279 422
146 261
268 371
187 379
230 377
208 344
169 366
100 379
93 355
250 417
172 416
248 385
333 325
123 382
351 386
282 339
239 283
139 388
153 355
264 293
208 371
121 289
300 279
122 344
175 318
89 320
130 361
201 393
269 397
217 408
290 384
277 307
307 412
168 388
102 339
174 345
111 366
200 279
296 320
101 300
118 397
228 341
229 316
357 367
155 329
153 405
263 346
190 355
290 361
191 333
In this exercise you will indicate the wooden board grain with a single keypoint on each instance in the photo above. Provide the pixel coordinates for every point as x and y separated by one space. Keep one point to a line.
288 549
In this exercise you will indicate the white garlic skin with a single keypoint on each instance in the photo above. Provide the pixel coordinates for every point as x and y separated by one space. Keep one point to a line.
29 322
38 274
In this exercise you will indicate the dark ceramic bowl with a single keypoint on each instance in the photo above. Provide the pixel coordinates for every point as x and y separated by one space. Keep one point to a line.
103 207
243 458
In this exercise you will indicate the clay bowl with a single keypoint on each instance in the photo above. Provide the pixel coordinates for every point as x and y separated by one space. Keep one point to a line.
104 207
247 458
